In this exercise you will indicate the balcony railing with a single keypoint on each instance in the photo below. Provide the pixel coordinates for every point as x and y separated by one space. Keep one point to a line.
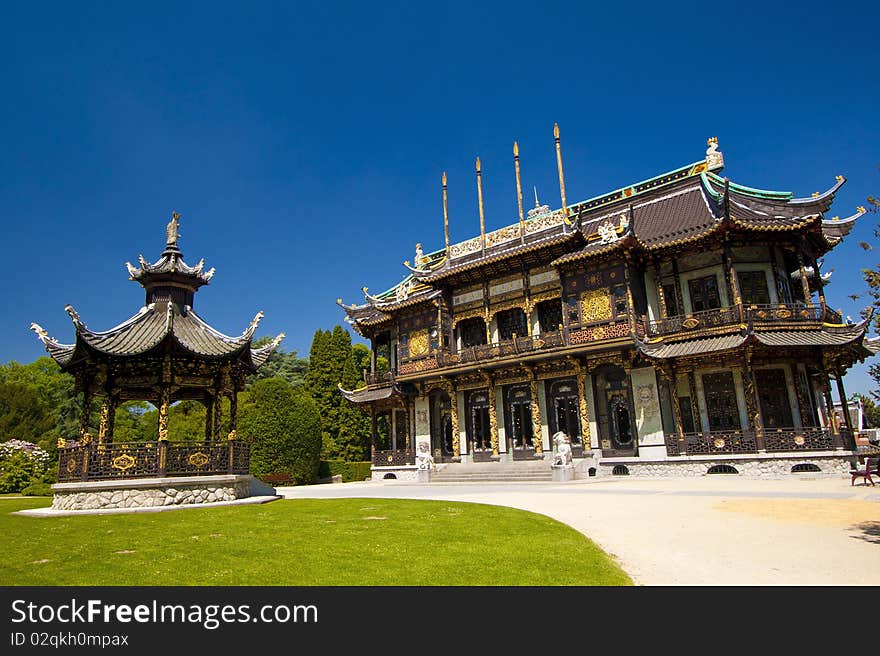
381 378
515 346
749 441
96 462
753 316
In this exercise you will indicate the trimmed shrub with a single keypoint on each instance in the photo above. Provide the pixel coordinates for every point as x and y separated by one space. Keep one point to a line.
284 428
350 471
37 489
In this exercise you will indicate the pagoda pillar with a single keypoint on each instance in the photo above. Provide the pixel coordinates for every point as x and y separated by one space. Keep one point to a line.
804 282
537 438
732 280
676 281
631 311
753 406
108 420
583 409
453 413
844 406
84 435
217 415
820 285
209 420
233 412
661 296
493 417
164 405
695 403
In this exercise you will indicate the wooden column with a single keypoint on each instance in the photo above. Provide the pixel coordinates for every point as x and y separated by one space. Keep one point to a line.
679 298
164 405
820 285
493 416
233 412
108 420
804 282
209 420
84 435
695 403
536 413
669 373
841 392
732 280
374 431
803 407
753 406
658 281
630 311
218 414
453 411
583 408
829 404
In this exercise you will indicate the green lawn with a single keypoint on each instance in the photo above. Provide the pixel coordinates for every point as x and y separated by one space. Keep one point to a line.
301 542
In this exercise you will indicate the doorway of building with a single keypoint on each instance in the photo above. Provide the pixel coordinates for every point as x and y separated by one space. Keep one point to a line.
441 426
477 427
614 413
518 421
563 410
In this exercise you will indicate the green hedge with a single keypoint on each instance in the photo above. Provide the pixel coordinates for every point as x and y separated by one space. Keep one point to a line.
351 471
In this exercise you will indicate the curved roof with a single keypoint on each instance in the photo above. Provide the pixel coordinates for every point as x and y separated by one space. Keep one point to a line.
173 327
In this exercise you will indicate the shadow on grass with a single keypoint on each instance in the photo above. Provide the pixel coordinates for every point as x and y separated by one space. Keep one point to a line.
870 532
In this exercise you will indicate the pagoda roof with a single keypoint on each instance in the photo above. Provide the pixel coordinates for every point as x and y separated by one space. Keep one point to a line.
157 329
828 335
164 323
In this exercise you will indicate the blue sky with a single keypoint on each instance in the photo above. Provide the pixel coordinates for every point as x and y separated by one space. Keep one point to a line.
303 143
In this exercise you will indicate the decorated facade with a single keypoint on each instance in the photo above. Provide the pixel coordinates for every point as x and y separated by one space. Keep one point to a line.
675 325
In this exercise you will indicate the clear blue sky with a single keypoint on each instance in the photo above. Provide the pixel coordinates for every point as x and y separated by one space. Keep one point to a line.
303 143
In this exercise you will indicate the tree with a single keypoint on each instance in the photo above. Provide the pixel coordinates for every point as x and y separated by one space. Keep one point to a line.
284 429
280 364
872 278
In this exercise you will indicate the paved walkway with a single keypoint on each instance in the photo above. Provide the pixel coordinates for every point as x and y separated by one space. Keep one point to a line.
714 530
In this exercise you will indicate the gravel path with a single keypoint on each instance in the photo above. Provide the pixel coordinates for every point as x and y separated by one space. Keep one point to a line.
716 530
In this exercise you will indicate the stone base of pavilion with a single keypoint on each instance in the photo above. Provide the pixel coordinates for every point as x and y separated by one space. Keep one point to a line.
159 493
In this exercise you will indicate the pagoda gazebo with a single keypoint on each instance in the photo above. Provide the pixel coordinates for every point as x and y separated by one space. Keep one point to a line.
162 354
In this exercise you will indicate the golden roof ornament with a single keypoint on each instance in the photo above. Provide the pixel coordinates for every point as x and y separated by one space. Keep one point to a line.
714 157
172 230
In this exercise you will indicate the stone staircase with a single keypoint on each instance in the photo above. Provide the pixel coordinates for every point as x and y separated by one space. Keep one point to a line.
499 472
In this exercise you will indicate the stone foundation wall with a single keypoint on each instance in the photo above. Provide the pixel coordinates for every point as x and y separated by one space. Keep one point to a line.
764 468
400 473
148 493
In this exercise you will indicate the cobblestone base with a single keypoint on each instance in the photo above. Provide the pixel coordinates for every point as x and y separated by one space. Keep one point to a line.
148 493
763 468
382 474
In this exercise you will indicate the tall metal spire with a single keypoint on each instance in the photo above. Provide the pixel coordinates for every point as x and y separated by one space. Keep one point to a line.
480 200
445 214
522 224
561 174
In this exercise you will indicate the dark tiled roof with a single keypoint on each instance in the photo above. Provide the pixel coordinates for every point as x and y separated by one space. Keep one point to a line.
675 218
692 347
150 327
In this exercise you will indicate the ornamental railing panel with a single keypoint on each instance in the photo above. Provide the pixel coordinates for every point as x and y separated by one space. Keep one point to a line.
695 321
96 462
760 315
710 443
798 439
397 458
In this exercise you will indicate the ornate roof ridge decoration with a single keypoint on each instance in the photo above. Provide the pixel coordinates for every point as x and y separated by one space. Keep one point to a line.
170 262
835 228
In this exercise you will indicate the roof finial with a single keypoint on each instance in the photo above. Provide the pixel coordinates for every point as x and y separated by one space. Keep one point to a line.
445 214
537 204
171 230
480 201
522 225
561 174
714 157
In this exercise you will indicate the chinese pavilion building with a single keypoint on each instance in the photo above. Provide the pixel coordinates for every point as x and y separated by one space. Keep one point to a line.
678 325
164 353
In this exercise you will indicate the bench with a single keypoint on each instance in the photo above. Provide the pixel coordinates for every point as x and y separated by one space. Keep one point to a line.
863 473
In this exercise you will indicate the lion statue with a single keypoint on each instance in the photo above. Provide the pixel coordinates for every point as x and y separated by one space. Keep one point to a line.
424 459
563 450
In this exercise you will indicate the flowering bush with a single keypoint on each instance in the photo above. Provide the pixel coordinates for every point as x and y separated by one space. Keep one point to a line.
20 464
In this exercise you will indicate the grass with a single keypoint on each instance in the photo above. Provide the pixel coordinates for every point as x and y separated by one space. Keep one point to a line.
306 542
